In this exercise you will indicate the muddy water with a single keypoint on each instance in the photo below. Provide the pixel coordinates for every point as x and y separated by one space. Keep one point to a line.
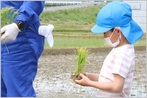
53 78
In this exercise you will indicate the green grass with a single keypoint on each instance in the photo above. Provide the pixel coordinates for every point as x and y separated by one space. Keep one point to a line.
86 15
76 42
71 19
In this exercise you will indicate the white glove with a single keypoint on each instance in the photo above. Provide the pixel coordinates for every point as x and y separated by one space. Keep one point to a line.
9 32
46 31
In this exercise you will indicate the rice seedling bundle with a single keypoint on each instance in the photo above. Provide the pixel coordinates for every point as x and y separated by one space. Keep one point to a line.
81 61
7 15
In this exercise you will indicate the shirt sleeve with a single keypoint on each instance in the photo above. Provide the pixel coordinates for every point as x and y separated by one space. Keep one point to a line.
122 64
29 12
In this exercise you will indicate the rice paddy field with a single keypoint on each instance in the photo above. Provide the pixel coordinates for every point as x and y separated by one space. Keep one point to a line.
53 79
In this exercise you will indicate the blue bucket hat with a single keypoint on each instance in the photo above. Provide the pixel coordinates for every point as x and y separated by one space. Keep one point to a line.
118 14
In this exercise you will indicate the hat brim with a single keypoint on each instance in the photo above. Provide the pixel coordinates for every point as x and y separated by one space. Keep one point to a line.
99 30
132 31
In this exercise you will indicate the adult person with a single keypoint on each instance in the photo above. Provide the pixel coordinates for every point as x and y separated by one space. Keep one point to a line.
21 47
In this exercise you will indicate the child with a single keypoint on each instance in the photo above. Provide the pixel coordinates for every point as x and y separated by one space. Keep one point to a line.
120 32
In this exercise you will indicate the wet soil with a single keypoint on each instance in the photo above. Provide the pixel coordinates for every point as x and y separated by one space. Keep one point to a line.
54 72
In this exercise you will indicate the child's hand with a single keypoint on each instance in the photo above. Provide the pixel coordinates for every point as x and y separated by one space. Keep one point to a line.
84 81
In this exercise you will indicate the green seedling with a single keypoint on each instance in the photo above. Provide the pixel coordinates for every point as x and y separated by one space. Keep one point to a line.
82 59
7 15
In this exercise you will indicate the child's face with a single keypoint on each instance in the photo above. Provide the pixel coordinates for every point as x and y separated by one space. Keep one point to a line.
114 36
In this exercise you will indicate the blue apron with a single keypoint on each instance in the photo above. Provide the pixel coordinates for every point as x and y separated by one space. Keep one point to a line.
19 58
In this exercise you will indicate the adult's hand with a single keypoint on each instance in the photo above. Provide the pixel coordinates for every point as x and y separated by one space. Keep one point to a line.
9 32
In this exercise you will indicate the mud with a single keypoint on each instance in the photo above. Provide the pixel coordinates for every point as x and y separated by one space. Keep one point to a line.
54 71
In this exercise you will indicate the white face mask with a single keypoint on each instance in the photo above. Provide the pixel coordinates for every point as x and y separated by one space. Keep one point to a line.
109 41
